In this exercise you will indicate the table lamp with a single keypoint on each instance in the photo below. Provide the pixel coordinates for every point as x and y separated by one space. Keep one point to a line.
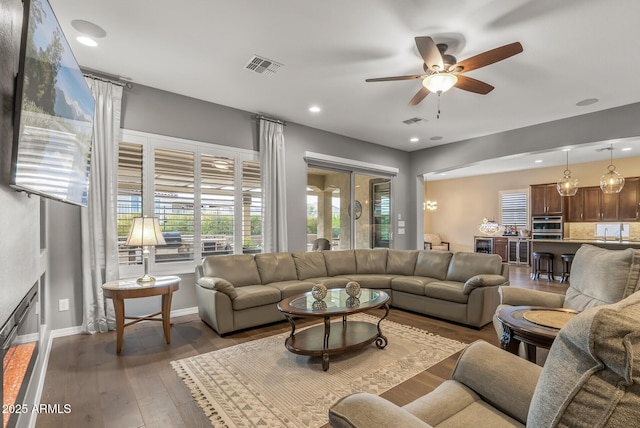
145 232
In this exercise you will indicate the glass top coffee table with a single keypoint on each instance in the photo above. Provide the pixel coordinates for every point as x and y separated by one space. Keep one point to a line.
337 337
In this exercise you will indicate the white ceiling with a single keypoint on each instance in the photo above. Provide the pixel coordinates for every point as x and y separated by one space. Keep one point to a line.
573 50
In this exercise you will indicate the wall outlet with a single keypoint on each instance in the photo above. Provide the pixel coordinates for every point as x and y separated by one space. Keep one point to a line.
63 305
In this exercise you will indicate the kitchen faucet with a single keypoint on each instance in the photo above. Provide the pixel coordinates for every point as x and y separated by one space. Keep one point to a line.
621 230
605 234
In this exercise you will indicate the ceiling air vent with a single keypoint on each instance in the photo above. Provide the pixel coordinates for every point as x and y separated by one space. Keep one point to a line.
261 65
413 121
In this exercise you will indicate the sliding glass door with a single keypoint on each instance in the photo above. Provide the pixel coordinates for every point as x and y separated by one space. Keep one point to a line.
350 210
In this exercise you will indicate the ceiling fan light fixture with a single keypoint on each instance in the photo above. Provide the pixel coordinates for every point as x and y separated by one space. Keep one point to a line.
440 82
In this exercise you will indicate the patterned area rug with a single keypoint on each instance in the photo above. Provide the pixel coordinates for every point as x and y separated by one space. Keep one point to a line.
260 383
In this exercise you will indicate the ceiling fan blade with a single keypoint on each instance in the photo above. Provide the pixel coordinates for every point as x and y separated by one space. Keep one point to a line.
387 79
489 57
429 52
473 85
422 93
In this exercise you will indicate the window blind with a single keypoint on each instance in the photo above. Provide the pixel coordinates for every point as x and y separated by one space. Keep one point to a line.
513 208
129 199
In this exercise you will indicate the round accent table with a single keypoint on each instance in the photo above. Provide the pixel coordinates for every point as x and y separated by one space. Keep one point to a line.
122 289
517 327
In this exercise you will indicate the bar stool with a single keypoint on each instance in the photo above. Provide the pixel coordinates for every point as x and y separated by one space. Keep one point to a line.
538 256
567 259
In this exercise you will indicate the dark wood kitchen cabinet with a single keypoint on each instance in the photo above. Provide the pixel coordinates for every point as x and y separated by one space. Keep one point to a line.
600 206
630 200
575 206
545 200
501 248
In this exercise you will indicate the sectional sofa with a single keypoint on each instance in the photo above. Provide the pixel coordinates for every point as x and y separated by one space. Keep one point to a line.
236 292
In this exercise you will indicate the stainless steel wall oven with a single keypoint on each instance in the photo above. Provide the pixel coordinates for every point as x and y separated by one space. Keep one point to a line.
546 227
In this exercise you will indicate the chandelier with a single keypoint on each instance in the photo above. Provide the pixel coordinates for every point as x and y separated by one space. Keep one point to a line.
611 181
567 186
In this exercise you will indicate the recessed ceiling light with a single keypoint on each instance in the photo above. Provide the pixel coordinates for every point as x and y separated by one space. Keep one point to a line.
538 161
315 109
567 150
414 139
87 41
587 102
443 173
88 28
626 149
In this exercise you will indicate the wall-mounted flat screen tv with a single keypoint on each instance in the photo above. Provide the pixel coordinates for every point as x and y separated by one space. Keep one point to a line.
53 125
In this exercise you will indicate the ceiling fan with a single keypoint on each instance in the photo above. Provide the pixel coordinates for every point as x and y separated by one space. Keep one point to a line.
443 71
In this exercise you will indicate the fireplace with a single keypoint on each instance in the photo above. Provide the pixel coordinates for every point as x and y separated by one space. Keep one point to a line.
20 337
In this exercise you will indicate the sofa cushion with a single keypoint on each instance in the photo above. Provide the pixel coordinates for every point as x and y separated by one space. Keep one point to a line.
433 264
371 261
251 296
274 267
310 265
591 376
402 262
340 262
410 284
370 281
218 284
465 265
292 287
485 280
600 276
446 290
330 281
238 269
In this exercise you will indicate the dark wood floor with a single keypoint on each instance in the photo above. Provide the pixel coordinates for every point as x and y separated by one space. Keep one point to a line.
139 388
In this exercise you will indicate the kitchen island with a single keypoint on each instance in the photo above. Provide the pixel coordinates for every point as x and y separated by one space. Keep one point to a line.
562 246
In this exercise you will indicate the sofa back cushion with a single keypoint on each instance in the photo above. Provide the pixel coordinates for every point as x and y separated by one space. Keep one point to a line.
274 267
592 374
465 265
310 265
340 262
402 262
238 269
433 264
371 261
600 276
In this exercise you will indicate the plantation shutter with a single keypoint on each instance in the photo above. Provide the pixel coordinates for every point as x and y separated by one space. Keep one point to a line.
129 199
174 203
217 204
251 207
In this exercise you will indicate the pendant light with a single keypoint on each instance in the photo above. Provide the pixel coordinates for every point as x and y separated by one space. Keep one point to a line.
611 181
567 186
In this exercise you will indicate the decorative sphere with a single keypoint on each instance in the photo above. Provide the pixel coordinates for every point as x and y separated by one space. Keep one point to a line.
353 288
319 305
319 291
352 302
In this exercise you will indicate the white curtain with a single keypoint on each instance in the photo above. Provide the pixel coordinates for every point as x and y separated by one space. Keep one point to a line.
274 201
98 220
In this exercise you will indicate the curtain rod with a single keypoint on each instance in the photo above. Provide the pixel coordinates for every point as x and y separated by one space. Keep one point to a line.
268 119
127 85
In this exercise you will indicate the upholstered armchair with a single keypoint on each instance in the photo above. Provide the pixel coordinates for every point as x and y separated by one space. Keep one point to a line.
321 244
433 241
590 379
598 277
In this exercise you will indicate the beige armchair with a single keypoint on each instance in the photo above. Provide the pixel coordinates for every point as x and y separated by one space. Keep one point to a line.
598 277
590 379
433 241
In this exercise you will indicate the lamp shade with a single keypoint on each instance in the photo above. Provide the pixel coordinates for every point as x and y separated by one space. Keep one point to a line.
567 186
145 231
611 181
439 82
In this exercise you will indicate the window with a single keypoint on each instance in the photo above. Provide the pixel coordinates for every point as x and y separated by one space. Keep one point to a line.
513 208
207 199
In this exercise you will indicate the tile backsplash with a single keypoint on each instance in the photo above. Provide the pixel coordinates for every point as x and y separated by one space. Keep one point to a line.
595 230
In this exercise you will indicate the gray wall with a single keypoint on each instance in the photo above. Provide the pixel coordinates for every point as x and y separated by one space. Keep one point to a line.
20 261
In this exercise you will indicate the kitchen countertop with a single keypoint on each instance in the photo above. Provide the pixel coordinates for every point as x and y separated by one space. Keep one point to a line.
590 241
